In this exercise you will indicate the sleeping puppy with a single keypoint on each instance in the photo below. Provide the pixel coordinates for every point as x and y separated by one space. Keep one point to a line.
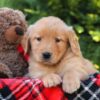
55 55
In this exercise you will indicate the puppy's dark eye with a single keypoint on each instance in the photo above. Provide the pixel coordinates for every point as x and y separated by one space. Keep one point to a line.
57 40
38 38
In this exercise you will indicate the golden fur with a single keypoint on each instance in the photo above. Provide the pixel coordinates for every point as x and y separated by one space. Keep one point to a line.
67 65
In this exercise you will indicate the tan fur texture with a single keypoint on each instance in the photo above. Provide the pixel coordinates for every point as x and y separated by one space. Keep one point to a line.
66 65
12 22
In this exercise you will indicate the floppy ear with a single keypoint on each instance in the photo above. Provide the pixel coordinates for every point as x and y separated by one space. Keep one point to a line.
73 41
26 41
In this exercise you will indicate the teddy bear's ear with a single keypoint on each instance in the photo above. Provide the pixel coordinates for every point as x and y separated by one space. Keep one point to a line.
13 33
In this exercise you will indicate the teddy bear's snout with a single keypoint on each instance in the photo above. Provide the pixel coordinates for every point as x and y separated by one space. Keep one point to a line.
14 33
19 31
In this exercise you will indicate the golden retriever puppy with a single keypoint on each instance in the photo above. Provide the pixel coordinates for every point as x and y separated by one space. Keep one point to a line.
55 54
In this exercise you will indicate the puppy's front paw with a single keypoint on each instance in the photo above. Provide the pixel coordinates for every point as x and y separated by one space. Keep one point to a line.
51 80
71 84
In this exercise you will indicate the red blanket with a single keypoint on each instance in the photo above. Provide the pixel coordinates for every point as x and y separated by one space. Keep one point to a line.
33 89
28 89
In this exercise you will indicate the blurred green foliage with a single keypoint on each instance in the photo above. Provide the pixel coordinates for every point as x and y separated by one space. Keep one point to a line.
83 15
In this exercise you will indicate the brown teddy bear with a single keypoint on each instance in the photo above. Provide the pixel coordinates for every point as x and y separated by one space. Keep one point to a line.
12 29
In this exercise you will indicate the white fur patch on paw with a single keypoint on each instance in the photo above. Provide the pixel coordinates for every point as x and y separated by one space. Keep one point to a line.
71 85
51 80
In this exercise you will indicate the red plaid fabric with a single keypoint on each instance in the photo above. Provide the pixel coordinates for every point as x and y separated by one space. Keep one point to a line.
89 90
20 89
33 89
28 89
22 52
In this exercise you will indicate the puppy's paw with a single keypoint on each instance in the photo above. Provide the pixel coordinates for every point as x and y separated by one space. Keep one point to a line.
71 85
51 80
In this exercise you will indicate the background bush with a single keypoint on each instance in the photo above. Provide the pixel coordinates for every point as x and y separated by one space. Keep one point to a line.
83 15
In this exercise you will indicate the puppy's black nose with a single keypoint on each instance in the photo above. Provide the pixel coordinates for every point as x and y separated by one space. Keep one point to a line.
46 55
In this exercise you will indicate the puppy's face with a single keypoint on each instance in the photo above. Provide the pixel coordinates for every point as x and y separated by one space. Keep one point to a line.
49 39
48 46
